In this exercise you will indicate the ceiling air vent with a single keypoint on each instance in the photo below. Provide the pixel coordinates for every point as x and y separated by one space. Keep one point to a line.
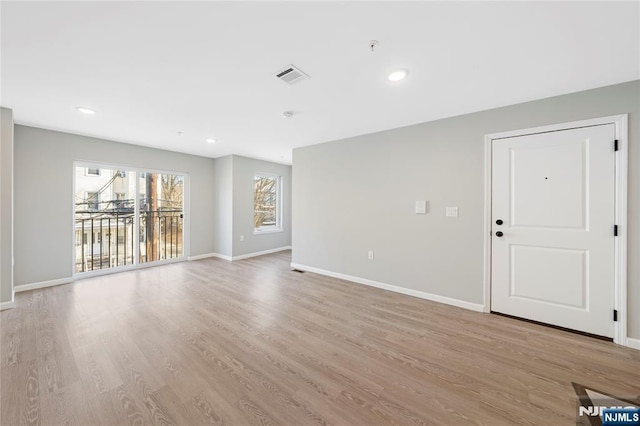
291 75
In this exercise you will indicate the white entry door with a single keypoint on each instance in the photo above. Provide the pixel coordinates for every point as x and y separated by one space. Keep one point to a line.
553 228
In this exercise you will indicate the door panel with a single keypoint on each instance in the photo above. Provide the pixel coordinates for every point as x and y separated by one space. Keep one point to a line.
554 262
103 216
536 270
161 216
550 182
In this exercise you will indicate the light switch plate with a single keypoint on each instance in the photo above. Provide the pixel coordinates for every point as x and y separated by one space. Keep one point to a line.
451 212
421 207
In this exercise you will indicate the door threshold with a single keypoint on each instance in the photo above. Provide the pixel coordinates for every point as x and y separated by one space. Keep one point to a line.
557 327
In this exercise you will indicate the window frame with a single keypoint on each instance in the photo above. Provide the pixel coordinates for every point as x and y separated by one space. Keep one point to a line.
90 202
278 227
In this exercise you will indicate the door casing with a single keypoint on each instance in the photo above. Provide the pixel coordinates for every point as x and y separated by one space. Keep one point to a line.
620 247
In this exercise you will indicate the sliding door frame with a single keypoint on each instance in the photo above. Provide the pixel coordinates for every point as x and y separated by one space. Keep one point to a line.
186 228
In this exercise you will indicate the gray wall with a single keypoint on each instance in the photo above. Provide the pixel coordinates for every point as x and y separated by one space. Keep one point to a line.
244 170
233 192
43 196
223 205
6 205
358 194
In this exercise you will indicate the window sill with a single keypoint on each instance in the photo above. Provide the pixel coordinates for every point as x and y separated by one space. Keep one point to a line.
267 231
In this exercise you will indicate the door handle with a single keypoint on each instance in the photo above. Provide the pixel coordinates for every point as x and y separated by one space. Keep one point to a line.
499 222
499 234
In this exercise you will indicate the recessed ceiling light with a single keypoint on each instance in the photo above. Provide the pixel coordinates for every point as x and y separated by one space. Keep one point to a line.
86 110
211 140
397 75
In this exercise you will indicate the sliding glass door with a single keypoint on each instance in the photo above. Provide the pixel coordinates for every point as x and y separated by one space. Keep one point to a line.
161 216
126 217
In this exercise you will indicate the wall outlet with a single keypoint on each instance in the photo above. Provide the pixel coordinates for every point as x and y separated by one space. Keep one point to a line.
370 255
241 237
421 207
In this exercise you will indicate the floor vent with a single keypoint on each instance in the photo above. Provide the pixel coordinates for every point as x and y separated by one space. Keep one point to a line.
291 75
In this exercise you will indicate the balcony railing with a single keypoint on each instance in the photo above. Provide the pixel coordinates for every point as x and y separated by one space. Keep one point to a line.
105 237
104 242
160 235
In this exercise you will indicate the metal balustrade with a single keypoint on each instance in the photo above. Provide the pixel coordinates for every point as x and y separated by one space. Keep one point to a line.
166 225
105 236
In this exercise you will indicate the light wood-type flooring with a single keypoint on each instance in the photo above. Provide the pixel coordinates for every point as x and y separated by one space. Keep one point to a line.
254 343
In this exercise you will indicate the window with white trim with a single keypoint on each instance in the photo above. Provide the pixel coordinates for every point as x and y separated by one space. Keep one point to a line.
93 200
119 200
267 203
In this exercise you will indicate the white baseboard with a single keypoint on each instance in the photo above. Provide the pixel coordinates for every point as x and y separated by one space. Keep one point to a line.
260 253
42 284
633 343
202 256
209 255
7 305
409 292
239 257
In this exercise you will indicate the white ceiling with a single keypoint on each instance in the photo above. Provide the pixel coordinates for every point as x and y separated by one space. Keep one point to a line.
152 69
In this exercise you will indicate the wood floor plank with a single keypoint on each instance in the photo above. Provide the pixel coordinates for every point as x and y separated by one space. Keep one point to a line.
124 407
175 371
11 338
97 372
67 407
175 410
11 398
252 342
31 393
55 360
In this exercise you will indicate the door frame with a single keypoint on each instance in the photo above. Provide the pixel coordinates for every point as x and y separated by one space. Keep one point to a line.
621 176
